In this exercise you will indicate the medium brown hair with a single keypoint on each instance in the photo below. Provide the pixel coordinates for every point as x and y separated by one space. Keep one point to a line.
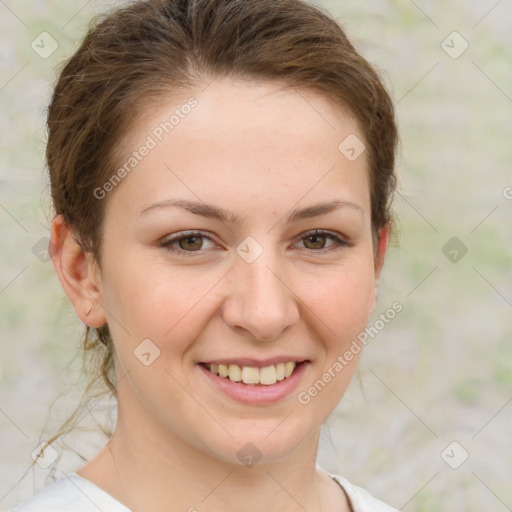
149 50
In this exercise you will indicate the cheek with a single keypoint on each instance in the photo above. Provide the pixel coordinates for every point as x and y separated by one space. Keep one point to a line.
341 306
159 303
342 300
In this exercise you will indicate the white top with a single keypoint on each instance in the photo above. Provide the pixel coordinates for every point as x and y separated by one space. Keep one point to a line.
74 493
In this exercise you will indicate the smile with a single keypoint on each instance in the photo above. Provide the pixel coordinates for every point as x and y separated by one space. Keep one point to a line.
265 376
255 382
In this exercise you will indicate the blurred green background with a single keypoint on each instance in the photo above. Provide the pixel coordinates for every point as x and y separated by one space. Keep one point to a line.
439 373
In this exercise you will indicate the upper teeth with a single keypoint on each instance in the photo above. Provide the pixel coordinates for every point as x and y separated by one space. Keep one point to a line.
253 375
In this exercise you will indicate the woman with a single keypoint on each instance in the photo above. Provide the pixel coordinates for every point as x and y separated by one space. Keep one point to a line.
221 173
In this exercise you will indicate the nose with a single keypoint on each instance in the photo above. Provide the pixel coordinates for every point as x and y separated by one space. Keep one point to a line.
261 302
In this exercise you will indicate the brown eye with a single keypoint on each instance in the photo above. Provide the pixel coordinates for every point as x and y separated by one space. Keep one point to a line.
317 241
191 243
187 243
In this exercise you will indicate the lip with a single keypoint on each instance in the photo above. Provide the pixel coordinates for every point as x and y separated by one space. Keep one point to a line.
259 363
256 394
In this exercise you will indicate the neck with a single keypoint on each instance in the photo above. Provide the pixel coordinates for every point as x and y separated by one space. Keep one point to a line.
174 472
147 467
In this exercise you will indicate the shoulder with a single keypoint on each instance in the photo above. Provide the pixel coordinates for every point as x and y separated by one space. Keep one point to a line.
361 500
70 493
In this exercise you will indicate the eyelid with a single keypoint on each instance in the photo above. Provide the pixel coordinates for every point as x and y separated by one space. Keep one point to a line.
167 241
340 241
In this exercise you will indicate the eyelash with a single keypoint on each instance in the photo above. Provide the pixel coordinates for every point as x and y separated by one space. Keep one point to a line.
340 242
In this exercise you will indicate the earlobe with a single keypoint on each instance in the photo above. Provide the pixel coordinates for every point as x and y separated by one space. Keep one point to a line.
77 274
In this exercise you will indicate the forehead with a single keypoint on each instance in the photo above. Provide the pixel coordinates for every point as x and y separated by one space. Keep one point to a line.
240 141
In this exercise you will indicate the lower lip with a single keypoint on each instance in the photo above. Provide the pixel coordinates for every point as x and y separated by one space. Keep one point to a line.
256 394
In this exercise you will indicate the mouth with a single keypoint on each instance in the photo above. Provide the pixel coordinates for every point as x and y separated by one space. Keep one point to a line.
255 383
254 375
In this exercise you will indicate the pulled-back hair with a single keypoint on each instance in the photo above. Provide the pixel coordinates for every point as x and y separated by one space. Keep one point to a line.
150 50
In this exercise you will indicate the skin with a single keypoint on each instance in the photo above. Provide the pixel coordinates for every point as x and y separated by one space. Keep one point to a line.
260 151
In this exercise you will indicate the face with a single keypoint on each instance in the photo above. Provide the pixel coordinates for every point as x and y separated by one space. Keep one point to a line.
216 251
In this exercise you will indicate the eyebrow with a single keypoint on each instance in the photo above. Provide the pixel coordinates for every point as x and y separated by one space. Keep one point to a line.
215 212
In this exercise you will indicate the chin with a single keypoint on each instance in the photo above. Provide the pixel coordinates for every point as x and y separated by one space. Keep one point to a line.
261 441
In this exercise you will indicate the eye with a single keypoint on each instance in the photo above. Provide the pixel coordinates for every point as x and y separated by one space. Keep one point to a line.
188 241
194 242
316 241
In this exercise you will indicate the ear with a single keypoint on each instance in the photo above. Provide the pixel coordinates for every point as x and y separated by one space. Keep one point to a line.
78 274
380 254
383 242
